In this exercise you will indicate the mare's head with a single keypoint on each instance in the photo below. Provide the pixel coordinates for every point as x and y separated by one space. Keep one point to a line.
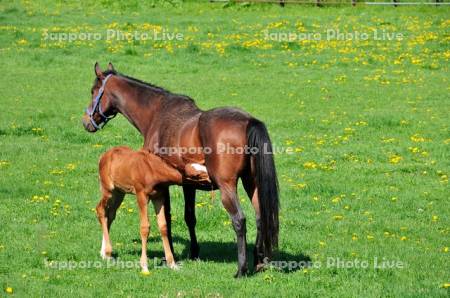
101 108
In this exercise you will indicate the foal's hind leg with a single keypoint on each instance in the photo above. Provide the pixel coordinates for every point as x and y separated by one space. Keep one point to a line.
106 250
142 200
106 212
158 203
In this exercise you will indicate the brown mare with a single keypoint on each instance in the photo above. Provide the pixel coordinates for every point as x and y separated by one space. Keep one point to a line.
232 145
121 171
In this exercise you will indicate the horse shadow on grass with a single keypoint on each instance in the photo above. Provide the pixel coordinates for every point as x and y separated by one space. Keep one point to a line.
226 252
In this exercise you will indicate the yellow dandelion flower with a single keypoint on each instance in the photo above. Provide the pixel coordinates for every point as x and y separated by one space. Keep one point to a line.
416 138
71 166
22 42
336 200
9 290
395 159
310 165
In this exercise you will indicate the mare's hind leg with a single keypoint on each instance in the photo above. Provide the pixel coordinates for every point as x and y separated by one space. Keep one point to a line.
158 203
224 170
106 212
231 203
189 218
142 200
252 192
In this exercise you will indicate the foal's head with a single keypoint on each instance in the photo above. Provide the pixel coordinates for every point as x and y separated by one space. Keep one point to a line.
101 108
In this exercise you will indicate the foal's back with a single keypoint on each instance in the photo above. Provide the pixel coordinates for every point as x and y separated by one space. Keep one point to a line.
133 171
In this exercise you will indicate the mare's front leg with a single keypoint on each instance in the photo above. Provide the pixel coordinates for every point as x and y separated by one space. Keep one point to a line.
142 201
158 203
189 218
166 195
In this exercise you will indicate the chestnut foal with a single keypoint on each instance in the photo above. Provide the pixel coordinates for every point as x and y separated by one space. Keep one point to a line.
123 170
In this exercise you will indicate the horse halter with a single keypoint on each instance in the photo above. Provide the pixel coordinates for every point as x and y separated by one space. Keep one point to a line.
97 107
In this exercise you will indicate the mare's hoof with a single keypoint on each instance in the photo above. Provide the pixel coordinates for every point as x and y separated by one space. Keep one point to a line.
240 273
194 253
260 267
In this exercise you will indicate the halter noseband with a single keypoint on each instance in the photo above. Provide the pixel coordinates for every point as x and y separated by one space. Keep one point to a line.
97 107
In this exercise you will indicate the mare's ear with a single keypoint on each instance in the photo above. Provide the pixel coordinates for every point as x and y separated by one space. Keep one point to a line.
98 71
111 67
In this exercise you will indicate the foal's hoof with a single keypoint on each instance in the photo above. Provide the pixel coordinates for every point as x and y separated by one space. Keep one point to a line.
145 271
174 266
105 256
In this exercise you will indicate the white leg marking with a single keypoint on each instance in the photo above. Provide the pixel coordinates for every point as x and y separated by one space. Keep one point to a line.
144 269
103 249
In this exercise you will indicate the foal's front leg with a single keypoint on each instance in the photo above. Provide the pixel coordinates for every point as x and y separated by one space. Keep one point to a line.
142 201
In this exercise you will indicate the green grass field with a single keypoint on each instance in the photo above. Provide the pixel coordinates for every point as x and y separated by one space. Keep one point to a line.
367 122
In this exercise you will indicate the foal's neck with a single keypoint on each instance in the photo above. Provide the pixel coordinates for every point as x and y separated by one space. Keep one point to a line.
166 173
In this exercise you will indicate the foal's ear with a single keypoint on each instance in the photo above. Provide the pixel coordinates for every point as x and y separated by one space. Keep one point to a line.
111 67
98 71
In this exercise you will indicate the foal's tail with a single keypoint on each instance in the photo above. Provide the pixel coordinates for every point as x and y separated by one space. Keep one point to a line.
266 182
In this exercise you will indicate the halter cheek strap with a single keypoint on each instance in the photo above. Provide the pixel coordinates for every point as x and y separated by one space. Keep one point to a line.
97 107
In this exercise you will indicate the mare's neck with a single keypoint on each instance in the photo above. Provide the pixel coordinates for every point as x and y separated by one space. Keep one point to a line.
137 103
